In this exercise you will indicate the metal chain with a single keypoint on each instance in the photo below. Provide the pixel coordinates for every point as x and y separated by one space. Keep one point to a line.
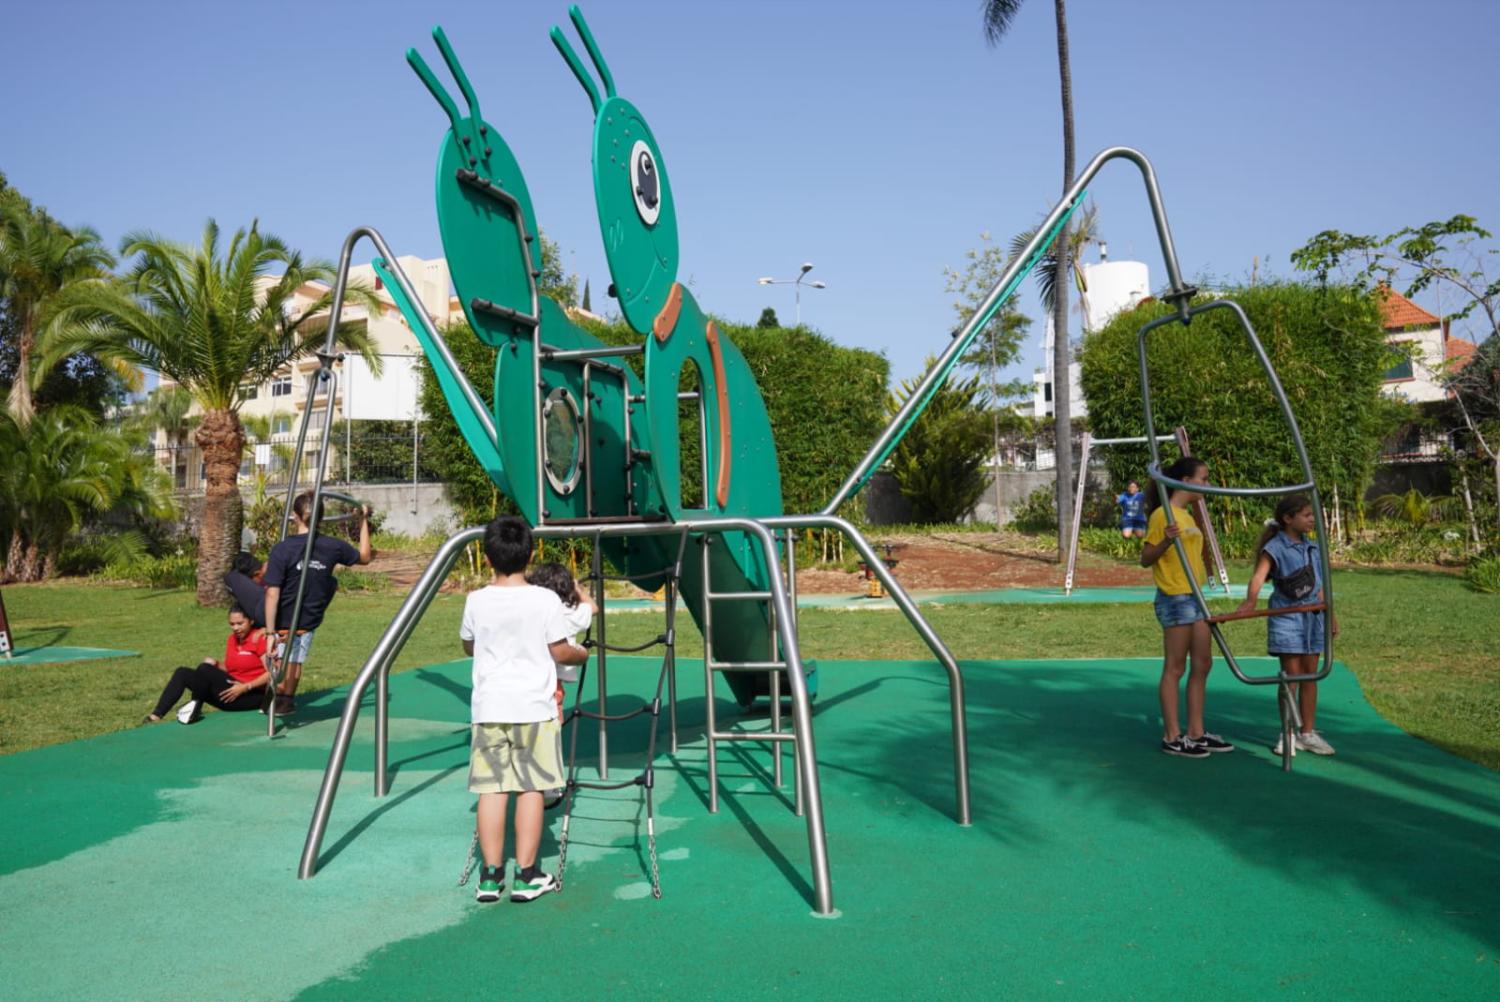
562 839
655 867
463 878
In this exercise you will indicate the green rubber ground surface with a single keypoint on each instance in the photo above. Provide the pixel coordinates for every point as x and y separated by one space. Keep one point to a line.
156 863
55 655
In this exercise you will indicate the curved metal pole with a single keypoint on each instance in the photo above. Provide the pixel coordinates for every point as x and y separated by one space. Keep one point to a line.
956 701
1021 263
378 662
1163 483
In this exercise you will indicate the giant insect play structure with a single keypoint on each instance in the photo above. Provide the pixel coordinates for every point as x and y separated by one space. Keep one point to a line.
588 449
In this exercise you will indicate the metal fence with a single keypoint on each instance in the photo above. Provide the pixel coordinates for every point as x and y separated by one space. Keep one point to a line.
360 452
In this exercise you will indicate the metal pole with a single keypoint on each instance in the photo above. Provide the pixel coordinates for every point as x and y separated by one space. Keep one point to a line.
1019 267
379 659
1083 479
1201 511
956 700
601 653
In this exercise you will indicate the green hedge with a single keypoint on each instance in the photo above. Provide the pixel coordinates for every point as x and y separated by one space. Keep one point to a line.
825 404
1328 348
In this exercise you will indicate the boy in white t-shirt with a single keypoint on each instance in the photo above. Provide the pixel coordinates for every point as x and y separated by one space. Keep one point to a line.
516 633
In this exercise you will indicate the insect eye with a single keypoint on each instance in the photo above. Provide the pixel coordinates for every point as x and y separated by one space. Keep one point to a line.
646 185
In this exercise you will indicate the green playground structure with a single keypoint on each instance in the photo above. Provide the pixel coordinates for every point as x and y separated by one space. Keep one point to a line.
587 448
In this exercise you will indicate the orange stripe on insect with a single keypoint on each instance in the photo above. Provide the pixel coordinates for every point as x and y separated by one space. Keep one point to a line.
721 486
666 320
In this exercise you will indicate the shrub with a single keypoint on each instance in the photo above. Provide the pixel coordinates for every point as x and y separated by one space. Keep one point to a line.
1483 574
176 570
1328 348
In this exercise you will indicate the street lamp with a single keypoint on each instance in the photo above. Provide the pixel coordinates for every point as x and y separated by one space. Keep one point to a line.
796 283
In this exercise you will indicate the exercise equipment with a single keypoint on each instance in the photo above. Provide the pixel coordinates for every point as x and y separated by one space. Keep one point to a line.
1291 717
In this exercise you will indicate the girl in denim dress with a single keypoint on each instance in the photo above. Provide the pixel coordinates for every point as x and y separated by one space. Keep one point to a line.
1287 554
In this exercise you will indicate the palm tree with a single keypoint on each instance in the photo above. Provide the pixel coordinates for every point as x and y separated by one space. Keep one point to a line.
63 469
39 258
210 319
998 16
1083 229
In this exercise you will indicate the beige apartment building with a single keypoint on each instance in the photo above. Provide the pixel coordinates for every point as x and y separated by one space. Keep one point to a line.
273 410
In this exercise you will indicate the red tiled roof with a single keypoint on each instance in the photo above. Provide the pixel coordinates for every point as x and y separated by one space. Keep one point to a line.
1458 352
1400 312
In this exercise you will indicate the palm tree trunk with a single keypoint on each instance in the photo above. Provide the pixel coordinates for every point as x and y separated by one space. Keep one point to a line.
222 439
13 556
19 404
1061 346
31 563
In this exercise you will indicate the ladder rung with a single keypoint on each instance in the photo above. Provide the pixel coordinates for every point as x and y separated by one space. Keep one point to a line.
504 312
743 596
747 665
753 736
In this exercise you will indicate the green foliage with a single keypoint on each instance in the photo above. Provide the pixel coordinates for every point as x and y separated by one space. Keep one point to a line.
939 464
64 471
1328 349
1038 513
1415 508
768 318
174 570
1483 575
999 342
379 452
824 401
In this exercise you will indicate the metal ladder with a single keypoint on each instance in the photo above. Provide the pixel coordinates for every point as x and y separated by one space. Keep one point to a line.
776 736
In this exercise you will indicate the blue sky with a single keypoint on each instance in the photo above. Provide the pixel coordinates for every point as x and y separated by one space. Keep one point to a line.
876 140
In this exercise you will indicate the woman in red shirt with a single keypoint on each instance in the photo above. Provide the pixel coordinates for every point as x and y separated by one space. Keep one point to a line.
238 684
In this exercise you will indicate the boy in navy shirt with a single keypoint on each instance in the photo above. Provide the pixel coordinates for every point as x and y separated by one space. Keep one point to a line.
284 568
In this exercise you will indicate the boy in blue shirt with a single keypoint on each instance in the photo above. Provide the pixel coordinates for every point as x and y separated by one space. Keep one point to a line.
1132 511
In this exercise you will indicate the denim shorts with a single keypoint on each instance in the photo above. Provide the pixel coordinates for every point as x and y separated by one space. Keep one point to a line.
1176 610
301 647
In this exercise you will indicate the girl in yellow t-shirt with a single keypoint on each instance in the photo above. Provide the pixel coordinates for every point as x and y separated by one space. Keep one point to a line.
1184 630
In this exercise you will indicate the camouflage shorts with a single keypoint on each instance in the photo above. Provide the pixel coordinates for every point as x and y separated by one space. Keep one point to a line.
516 758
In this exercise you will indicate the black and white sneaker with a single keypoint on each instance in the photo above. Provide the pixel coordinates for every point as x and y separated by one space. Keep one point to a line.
1212 742
1183 748
190 713
524 890
491 880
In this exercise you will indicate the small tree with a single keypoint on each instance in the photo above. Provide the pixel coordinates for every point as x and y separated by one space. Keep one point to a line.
939 464
767 318
1456 255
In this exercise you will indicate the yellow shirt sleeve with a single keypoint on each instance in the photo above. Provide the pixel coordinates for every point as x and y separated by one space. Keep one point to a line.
1156 525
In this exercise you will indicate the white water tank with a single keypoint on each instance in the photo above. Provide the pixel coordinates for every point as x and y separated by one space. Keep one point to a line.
1113 286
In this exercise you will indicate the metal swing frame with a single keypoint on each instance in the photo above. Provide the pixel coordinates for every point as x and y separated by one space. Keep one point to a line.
1200 510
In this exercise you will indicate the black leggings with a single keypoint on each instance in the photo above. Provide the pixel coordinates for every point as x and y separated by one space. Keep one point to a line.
205 682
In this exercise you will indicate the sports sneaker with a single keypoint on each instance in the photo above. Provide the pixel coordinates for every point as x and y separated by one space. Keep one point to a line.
1313 741
1296 743
1212 742
491 879
190 713
529 890
1182 747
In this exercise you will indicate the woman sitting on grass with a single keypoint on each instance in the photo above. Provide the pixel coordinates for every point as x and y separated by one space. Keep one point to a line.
235 686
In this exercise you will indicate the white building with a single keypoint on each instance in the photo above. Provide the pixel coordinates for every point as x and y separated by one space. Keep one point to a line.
1428 349
280 401
1110 286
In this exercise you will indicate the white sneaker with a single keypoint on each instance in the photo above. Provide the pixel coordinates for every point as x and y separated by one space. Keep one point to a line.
190 713
1313 741
1276 748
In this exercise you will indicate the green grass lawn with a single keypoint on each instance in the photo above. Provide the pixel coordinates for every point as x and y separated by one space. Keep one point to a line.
1421 644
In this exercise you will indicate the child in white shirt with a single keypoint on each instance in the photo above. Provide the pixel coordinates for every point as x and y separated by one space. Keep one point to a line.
578 614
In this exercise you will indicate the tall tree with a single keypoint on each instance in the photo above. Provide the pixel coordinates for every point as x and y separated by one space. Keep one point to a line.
998 17
210 318
39 258
1455 255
